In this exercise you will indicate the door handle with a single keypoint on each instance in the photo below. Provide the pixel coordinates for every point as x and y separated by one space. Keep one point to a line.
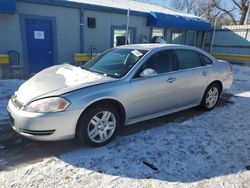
171 80
50 52
204 73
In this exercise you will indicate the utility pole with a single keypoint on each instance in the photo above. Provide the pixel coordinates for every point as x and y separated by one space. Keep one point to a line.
212 41
126 41
214 31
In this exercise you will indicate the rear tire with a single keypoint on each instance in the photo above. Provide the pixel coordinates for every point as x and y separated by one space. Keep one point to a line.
211 97
98 125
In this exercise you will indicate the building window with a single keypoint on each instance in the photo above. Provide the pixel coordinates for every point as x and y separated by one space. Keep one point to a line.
119 37
190 38
91 22
158 32
178 37
184 37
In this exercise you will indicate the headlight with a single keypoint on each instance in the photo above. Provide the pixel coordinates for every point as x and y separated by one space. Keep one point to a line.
53 104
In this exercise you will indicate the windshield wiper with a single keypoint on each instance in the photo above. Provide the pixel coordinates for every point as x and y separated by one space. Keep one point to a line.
101 73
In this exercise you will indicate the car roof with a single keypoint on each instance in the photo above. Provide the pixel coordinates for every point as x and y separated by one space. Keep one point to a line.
152 46
149 46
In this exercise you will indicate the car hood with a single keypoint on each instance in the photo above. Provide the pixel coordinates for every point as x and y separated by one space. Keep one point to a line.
58 80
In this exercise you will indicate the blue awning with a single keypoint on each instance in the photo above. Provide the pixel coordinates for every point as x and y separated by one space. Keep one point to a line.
156 19
8 6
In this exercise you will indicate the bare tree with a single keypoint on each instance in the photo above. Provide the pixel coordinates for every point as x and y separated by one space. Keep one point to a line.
178 4
203 8
210 12
239 6
189 6
233 12
226 11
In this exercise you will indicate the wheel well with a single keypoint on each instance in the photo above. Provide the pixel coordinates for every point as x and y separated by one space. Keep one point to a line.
219 83
112 102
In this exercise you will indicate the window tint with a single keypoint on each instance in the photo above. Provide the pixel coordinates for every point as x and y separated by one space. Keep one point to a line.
161 62
188 59
206 60
116 62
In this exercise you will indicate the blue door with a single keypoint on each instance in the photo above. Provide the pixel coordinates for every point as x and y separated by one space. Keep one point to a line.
39 44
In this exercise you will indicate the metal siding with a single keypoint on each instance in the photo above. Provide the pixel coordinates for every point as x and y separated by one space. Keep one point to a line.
231 40
100 37
10 37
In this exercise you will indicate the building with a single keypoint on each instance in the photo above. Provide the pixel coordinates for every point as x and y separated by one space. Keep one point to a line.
231 43
46 32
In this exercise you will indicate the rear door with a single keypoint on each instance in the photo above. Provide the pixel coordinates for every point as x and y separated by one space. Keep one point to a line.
193 76
149 95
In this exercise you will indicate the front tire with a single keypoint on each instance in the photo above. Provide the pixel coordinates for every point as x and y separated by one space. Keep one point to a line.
211 97
98 125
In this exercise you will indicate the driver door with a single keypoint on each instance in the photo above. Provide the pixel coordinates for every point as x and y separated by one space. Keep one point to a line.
155 93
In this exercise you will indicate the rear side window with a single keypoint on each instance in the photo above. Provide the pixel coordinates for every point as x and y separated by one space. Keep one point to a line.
206 60
188 59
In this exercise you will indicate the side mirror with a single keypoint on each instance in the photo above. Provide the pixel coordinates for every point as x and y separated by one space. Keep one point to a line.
148 72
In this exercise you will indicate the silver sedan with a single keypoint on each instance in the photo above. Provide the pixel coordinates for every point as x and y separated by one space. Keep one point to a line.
121 86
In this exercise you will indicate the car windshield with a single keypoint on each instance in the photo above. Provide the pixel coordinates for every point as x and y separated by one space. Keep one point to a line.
115 63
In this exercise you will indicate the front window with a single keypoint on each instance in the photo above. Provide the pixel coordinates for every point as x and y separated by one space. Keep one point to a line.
115 63
161 62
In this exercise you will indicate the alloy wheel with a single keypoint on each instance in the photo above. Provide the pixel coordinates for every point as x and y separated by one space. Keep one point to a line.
212 97
101 127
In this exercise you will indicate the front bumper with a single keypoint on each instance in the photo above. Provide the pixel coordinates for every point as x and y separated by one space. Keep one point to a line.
43 126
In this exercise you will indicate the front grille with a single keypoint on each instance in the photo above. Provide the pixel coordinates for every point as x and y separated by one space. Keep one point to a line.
16 103
39 133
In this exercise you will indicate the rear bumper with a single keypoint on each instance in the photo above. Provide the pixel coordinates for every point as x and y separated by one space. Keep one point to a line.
43 126
227 82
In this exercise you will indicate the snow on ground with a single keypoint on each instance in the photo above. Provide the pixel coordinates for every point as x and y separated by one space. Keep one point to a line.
7 88
212 149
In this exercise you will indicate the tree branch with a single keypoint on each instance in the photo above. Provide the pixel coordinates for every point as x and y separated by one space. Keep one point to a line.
237 4
228 12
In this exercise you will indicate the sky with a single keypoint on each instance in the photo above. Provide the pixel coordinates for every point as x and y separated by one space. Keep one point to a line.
226 3
167 2
160 2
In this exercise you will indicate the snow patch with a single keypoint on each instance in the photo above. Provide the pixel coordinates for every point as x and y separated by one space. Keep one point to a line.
7 88
2 162
243 94
76 75
210 150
